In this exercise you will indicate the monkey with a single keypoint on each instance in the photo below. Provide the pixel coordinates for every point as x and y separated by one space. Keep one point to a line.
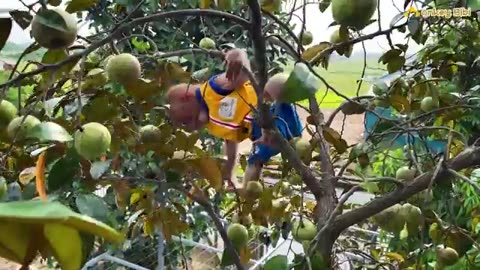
225 104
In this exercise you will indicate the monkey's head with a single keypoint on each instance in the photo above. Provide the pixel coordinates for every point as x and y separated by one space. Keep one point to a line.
274 86
184 108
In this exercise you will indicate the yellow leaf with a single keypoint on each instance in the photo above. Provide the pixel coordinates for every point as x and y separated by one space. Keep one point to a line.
400 103
395 256
313 51
245 255
40 177
334 138
170 223
135 197
66 244
148 226
209 168
80 5
205 3
271 6
26 175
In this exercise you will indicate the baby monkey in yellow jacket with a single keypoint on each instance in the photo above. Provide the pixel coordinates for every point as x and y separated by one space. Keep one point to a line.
223 105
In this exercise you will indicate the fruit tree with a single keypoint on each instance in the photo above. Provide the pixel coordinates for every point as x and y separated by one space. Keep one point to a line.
96 117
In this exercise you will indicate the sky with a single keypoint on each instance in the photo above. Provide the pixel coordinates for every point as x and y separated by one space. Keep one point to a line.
316 22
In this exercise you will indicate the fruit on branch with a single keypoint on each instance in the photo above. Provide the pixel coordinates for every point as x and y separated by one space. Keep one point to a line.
363 160
303 230
350 108
207 44
238 234
307 38
390 219
123 68
446 256
435 233
303 149
19 130
150 134
405 174
92 140
3 188
278 209
380 88
54 28
458 241
340 35
413 217
253 190
428 104
8 112
245 220
354 14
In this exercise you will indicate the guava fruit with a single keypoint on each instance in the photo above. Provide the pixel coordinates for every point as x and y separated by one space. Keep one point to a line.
458 241
253 190
3 188
413 217
92 141
238 234
245 220
307 38
428 104
435 233
18 130
379 88
304 232
391 219
446 256
50 36
150 134
278 208
354 14
304 149
8 111
207 44
363 160
350 108
123 68
405 173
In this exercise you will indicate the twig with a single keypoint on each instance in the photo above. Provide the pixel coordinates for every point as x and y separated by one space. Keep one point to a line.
464 178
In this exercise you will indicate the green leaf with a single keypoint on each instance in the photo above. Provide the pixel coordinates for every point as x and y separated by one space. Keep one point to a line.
80 5
313 51
323 5
205 3
271 6
279 262
227 260
301 84
52 19
39 212
5 29
63 171
99 168
225 5
389 55
93 206
395 64
50 131
52 57
22 18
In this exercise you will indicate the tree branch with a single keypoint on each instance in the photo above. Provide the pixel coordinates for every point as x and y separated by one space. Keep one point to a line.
258 41
468 158
113 34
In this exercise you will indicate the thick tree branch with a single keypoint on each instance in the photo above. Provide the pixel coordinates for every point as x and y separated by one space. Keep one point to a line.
155 17
468 158
258 41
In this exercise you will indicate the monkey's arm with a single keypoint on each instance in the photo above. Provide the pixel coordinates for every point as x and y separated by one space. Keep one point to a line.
234 76
231 149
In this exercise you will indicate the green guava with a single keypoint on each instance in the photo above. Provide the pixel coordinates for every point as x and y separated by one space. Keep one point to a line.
18 130
92 140
8 111
238 234
123 68
51 37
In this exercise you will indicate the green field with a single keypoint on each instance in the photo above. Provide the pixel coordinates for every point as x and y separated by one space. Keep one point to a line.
342 75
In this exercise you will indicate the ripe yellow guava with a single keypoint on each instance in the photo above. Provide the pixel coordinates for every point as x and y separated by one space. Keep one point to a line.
238 234
18 130
253 190
428 104
405 173
150 134
123 68
446 256
92 141
8 111
305 231
51 37
307 38
207 43
355 14
391 219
